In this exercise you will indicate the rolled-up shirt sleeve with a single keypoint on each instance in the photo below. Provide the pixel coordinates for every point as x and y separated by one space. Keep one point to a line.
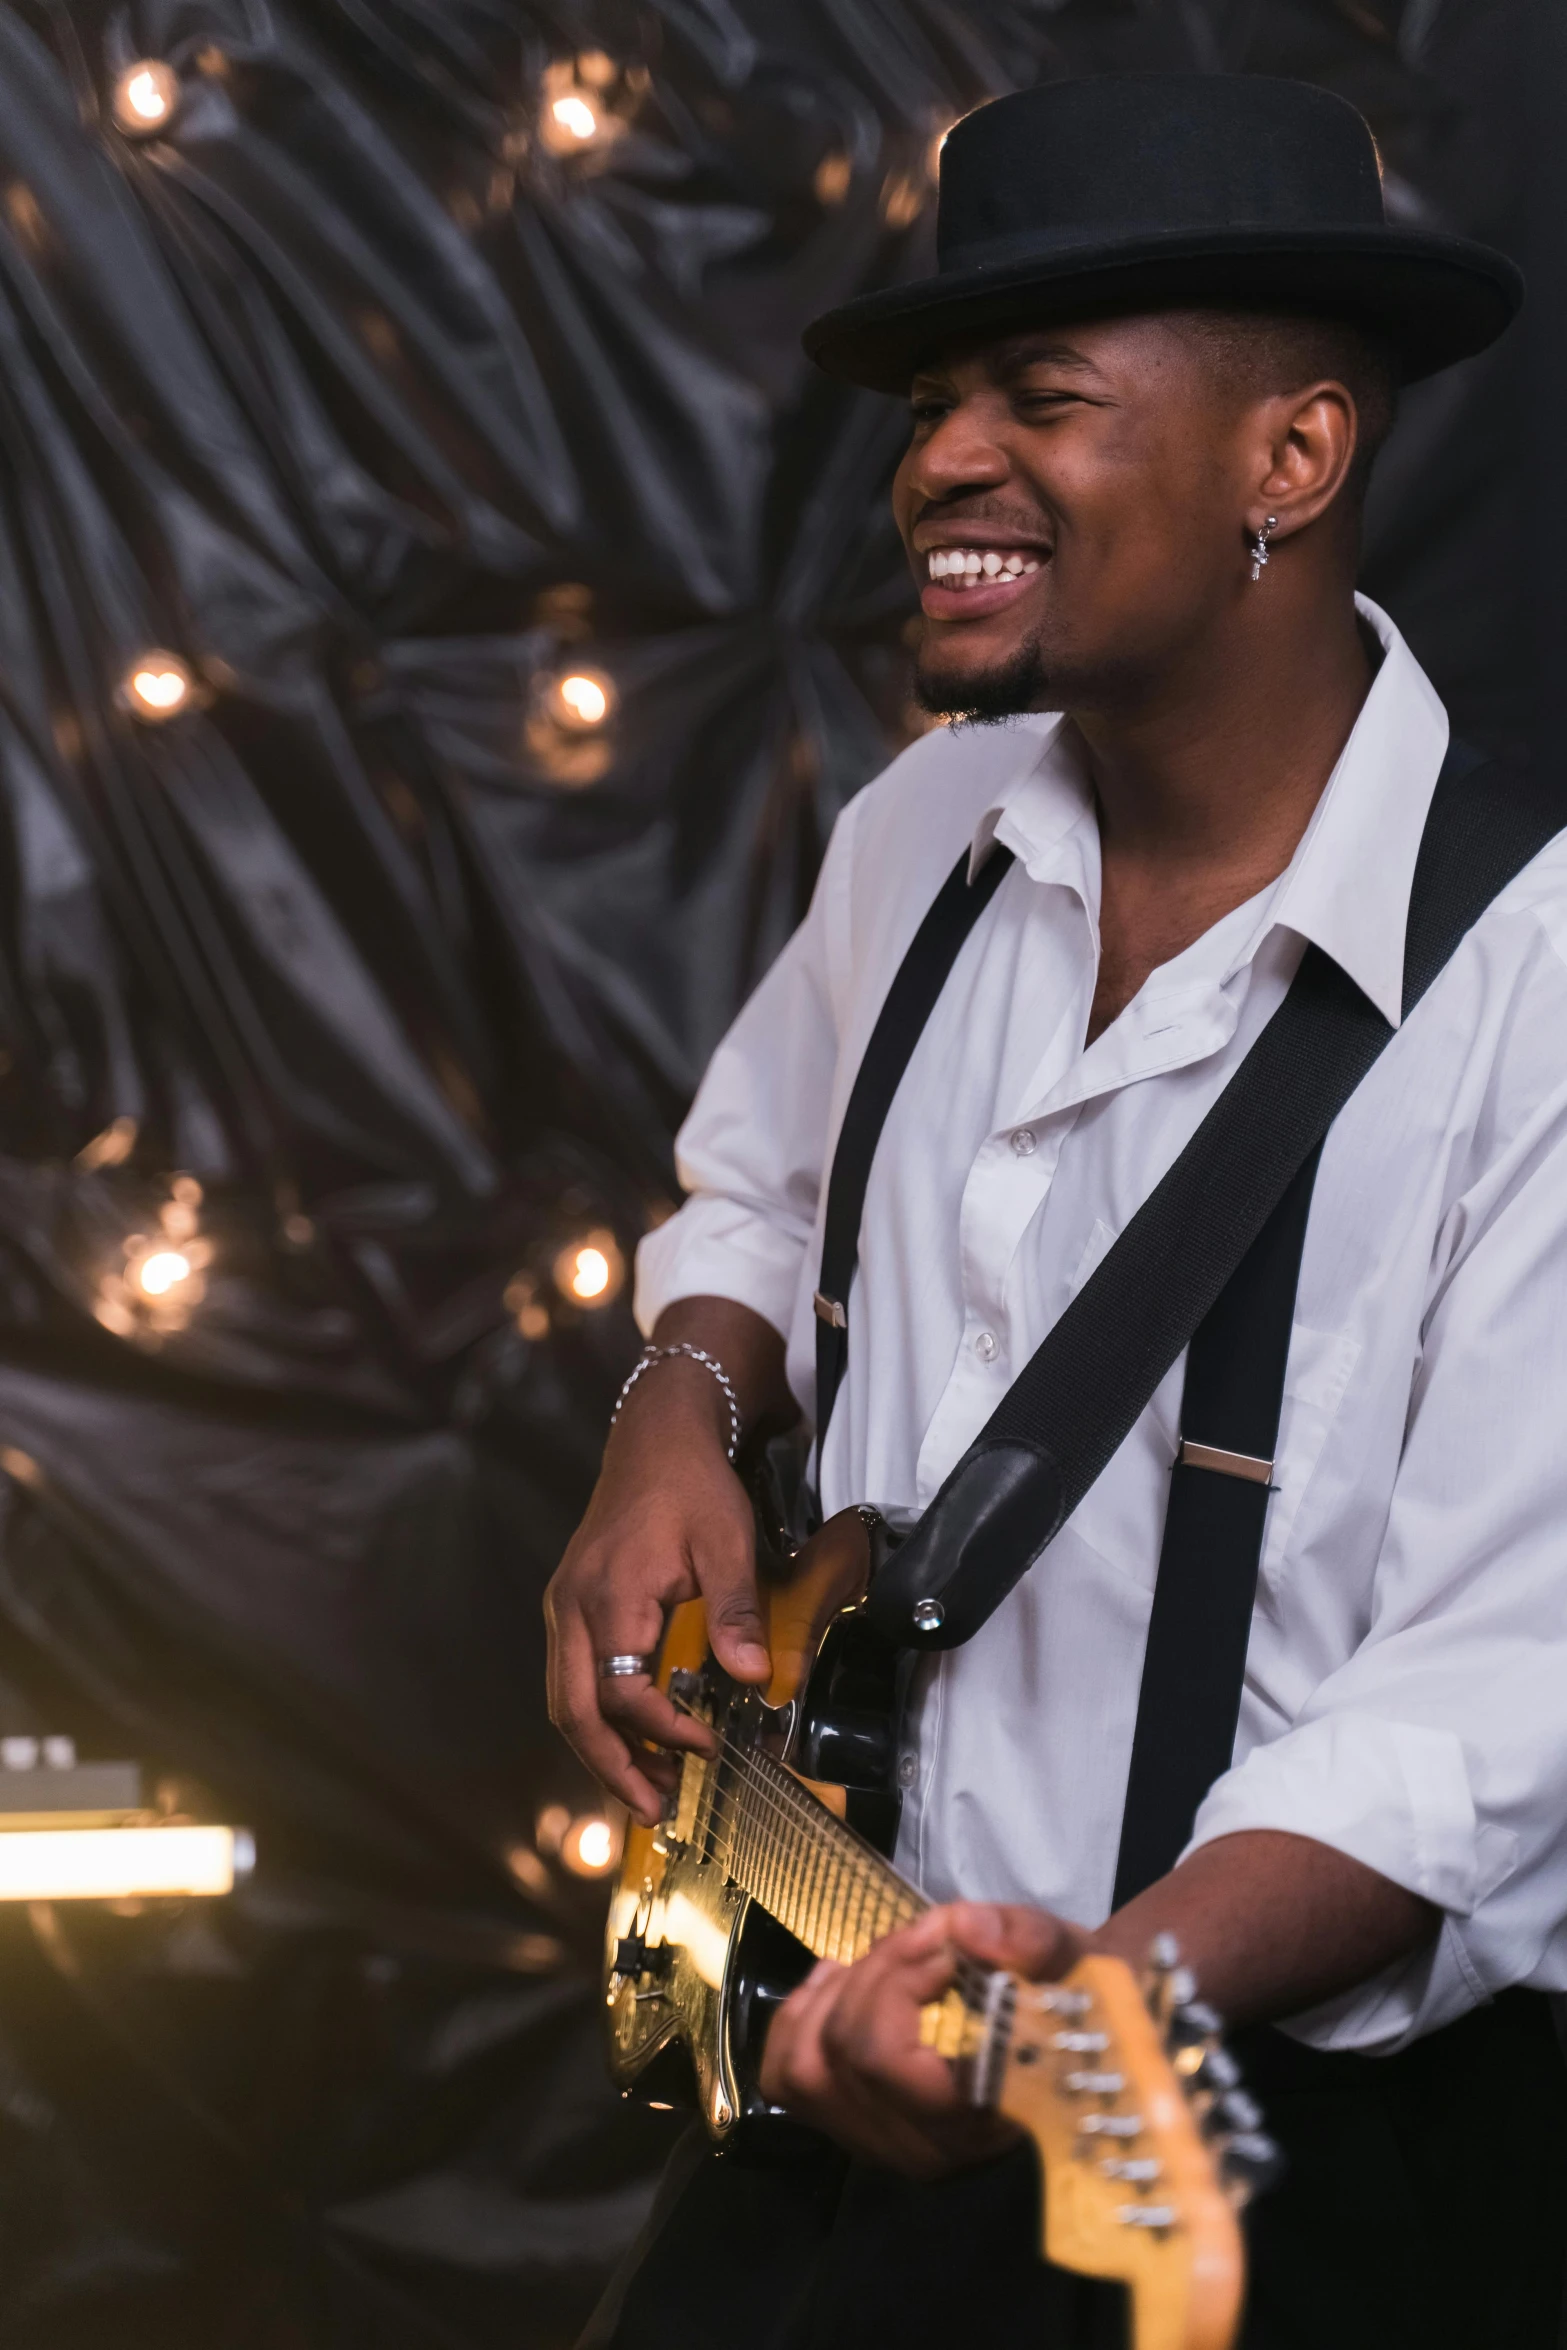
1437 1754
750 1155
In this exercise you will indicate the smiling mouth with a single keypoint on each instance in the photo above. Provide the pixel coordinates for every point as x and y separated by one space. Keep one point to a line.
977 567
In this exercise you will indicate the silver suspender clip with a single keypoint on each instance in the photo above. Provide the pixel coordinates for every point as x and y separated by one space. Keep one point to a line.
828 1310
1227 1464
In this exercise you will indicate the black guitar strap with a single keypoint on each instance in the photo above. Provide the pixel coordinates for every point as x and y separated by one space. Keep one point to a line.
1209 1261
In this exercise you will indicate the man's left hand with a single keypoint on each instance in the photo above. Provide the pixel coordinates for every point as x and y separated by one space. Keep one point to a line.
844 2052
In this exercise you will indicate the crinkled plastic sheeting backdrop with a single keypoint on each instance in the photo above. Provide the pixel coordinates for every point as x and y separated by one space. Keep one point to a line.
439 350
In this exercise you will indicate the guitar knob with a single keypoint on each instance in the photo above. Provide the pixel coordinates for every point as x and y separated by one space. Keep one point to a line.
633 1959
1251 2163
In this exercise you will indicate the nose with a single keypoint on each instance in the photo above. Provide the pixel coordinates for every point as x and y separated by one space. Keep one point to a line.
962 453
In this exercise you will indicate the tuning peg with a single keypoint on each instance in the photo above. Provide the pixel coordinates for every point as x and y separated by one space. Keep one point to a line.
1193 2021
1236 2111
1251 2163
1164 1953
1216 2073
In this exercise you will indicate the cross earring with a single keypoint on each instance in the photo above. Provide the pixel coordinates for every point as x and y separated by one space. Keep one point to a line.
1259 551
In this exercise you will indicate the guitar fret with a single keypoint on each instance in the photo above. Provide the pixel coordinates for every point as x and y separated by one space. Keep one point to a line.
804 1867
858 1945
813 1898
834 1897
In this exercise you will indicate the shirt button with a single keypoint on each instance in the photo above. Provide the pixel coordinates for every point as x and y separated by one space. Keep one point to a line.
985 1346
908 1769
1024 1142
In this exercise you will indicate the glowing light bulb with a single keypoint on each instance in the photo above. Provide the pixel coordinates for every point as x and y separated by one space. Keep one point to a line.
157 687
590 1846
586 698
575 116
591 1276
590 1270
163 1271
146 97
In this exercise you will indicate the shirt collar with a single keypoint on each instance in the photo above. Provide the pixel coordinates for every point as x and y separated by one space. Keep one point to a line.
1346 889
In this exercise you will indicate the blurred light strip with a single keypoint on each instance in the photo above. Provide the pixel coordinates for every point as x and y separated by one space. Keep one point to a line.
115 1864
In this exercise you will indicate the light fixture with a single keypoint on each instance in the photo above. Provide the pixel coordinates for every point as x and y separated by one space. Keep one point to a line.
163 1276
157 686
582 700
121 1864
590 1846
164 1270
146 98
590 1270
575 118
575 112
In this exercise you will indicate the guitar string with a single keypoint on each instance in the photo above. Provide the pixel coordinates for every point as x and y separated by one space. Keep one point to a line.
804 1814
972 1978
847 1870
806 1818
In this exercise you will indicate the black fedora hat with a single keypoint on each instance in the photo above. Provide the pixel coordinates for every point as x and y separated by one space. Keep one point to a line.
1146 191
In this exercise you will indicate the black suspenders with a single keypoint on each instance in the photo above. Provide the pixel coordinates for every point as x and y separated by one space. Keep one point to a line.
1210 1262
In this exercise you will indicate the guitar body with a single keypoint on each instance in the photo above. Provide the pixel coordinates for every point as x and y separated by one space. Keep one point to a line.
695 1967
773 1853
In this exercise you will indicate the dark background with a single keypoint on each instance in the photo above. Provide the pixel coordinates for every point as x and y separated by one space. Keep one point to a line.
377 411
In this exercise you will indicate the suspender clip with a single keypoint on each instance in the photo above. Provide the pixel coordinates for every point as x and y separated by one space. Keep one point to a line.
1227 1464
828 1310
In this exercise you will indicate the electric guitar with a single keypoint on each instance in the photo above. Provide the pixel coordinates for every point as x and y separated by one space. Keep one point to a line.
772 1854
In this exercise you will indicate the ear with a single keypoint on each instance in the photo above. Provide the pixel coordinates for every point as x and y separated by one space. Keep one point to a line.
1309 441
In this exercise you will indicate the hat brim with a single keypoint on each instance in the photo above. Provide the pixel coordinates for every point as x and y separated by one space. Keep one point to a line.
1433 299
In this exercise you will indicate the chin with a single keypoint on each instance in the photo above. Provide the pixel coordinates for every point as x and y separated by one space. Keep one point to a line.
983 691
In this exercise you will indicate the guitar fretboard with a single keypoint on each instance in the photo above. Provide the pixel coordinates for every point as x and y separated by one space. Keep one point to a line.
824 1884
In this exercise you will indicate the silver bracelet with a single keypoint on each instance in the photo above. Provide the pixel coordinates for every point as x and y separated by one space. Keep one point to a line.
657 1354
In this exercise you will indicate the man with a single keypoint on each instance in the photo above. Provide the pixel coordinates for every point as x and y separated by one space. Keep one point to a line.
1146 389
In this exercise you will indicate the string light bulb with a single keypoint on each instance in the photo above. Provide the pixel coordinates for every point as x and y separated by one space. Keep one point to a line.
157 687
589 1271
163 1278
575 117
590 1846
575 112
146 98
582 700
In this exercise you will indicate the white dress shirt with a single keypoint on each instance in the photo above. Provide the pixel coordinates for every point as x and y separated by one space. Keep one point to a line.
1406 1681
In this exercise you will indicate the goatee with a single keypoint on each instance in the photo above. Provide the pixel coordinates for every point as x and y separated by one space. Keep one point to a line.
1008 691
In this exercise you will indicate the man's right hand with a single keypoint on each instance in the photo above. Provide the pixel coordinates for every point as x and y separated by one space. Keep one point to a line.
669 1520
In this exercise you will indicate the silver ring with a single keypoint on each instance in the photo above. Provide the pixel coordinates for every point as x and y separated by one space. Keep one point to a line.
621 1668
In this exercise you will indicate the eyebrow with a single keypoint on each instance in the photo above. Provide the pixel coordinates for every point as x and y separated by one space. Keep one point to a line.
1018 354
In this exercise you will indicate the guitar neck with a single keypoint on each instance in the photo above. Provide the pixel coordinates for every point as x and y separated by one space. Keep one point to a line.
824 1884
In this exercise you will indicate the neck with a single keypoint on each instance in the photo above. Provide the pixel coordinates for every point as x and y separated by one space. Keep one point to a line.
824 1884
1215 768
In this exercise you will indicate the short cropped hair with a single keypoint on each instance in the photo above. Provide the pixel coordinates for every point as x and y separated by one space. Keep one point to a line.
1260 352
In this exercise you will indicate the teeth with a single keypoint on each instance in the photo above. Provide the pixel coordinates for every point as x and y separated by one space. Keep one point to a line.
964 566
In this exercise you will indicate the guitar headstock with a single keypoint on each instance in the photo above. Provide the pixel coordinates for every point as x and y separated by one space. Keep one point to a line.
1148 2144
